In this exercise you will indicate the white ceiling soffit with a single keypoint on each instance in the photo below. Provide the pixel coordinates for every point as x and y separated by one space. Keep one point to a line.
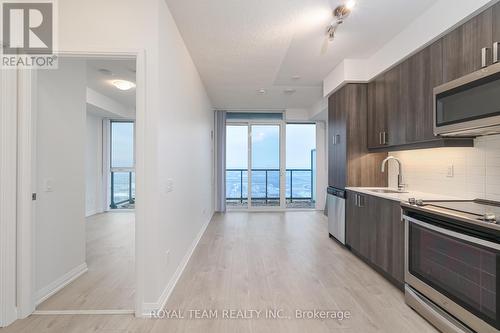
100 74
437 20
241 46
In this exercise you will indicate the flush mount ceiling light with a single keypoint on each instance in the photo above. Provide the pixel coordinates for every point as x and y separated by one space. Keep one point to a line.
123 84
262 91
289 91
105 71
339 14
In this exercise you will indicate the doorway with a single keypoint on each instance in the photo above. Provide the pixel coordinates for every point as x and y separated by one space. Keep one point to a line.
84 258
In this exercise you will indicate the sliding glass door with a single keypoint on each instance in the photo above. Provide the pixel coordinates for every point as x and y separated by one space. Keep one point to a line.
266 166
255 175
237 166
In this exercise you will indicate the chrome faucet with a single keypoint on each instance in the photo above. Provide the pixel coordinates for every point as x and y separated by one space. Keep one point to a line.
401 186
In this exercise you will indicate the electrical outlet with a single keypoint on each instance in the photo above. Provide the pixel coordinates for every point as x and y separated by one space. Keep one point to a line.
450 171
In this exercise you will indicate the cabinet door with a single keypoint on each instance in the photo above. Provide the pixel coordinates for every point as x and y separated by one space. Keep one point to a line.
367 228
397 244
381 212
462 47
390 237
377 118
352 222
394 133
419 75
496 23
340 143
332 101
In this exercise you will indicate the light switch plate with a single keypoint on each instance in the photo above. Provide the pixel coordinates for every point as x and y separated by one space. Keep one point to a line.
170 185
48 185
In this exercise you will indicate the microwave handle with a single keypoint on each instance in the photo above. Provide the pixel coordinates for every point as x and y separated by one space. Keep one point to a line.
453 234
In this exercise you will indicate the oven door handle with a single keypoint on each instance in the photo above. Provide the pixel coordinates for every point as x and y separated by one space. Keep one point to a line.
454 234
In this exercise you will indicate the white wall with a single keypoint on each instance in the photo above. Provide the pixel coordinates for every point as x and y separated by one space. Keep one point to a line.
178 120
94 200
108 105
440 18
184 151
60 213
476 170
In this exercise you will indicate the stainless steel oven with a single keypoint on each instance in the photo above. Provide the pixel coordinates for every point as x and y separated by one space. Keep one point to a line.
452 275
470 105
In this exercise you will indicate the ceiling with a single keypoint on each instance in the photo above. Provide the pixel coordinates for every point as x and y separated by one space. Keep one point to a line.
240 47
118 69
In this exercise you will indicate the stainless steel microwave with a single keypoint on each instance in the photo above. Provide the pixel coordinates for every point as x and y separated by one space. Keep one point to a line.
469 106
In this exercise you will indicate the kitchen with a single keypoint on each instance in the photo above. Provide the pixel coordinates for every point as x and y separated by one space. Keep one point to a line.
414 175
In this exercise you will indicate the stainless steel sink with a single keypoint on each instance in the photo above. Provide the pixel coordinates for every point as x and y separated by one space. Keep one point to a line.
386 190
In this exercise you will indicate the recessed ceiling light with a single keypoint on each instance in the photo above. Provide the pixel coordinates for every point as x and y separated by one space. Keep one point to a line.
262 91
296 77
289 91
123 84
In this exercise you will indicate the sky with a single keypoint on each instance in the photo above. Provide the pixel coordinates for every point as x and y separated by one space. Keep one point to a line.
122 144
300 140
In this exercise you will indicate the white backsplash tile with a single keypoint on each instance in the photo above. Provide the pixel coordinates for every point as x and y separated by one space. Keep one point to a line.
476 171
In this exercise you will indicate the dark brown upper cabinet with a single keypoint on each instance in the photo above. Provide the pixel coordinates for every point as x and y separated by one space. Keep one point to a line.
350 163
377 115
395 133
419 75
385 118
462 47
496 22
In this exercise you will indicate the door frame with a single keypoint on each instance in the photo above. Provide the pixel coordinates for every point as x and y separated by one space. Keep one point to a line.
27 182
282 136
8 198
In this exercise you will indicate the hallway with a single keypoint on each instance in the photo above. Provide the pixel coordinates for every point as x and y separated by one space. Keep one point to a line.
261 261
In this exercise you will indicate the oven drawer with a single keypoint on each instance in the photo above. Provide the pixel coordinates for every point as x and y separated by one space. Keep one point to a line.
456 271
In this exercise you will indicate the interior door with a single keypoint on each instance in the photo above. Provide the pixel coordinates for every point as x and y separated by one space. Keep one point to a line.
266 180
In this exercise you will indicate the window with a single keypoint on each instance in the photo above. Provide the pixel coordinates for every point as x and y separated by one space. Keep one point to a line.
122 164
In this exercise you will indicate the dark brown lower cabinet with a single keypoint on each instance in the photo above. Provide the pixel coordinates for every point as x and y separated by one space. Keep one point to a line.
375 233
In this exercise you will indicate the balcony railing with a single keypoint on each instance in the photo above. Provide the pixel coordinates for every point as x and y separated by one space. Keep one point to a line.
122 188
266 184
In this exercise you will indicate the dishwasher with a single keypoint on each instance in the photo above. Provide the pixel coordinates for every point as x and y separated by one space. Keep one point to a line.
336 213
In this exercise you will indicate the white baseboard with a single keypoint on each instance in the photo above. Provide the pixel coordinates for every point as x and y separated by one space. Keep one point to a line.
60 283
82 312
88 214
148 308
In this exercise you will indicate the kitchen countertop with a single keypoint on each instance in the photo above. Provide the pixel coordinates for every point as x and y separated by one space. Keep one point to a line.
404 196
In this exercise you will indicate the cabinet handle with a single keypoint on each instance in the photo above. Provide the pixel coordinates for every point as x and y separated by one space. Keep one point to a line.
380 138
484 56
495 52
361 201
356 200
337 139
384 138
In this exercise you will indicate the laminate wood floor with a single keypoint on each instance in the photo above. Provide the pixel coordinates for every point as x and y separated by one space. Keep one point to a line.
252 261
109 283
